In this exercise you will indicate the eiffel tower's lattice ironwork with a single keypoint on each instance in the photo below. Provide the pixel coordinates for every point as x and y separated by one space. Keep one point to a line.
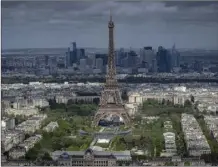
111 101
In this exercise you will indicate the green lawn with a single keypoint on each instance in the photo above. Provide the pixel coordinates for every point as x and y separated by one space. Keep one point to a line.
103 145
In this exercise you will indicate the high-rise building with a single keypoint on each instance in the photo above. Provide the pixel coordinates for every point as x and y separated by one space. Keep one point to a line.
52 62
67 58
91 60
82 64
73 54
175 57
119 56
82 53
104 58
132 59
164 60
78 55
147 55
154 65
73 46
124 59
99 63
125 62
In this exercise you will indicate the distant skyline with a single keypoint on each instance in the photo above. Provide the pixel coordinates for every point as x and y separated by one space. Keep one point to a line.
50 24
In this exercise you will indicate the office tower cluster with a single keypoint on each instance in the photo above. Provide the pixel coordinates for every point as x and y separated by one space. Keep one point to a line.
164 61
127 61
73 55
148 60
86 63
167 60
94 61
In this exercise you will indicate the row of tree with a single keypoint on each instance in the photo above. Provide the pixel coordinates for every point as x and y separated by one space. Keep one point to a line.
74 109
130 79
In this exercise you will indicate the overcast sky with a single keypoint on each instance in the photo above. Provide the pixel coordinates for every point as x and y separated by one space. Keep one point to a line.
137 24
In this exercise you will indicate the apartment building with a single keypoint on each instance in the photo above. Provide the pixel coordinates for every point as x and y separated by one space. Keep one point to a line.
196 142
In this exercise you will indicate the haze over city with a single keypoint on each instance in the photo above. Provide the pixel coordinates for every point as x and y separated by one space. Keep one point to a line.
51 24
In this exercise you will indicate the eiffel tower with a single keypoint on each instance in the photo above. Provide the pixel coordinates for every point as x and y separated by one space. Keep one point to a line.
111 101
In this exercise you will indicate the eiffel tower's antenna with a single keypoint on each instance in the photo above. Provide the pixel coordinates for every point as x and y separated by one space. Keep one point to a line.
110 15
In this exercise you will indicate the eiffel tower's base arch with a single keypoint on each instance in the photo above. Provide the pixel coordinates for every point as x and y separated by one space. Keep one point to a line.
112 110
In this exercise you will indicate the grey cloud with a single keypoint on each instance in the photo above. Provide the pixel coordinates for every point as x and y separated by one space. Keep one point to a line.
56 5
190 4
10 4
47 11
86 20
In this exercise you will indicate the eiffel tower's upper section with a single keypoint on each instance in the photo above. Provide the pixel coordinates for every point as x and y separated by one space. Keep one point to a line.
111 80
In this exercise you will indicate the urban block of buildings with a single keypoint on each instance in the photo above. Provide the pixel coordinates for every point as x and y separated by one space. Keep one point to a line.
24 147
196 141
32 124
